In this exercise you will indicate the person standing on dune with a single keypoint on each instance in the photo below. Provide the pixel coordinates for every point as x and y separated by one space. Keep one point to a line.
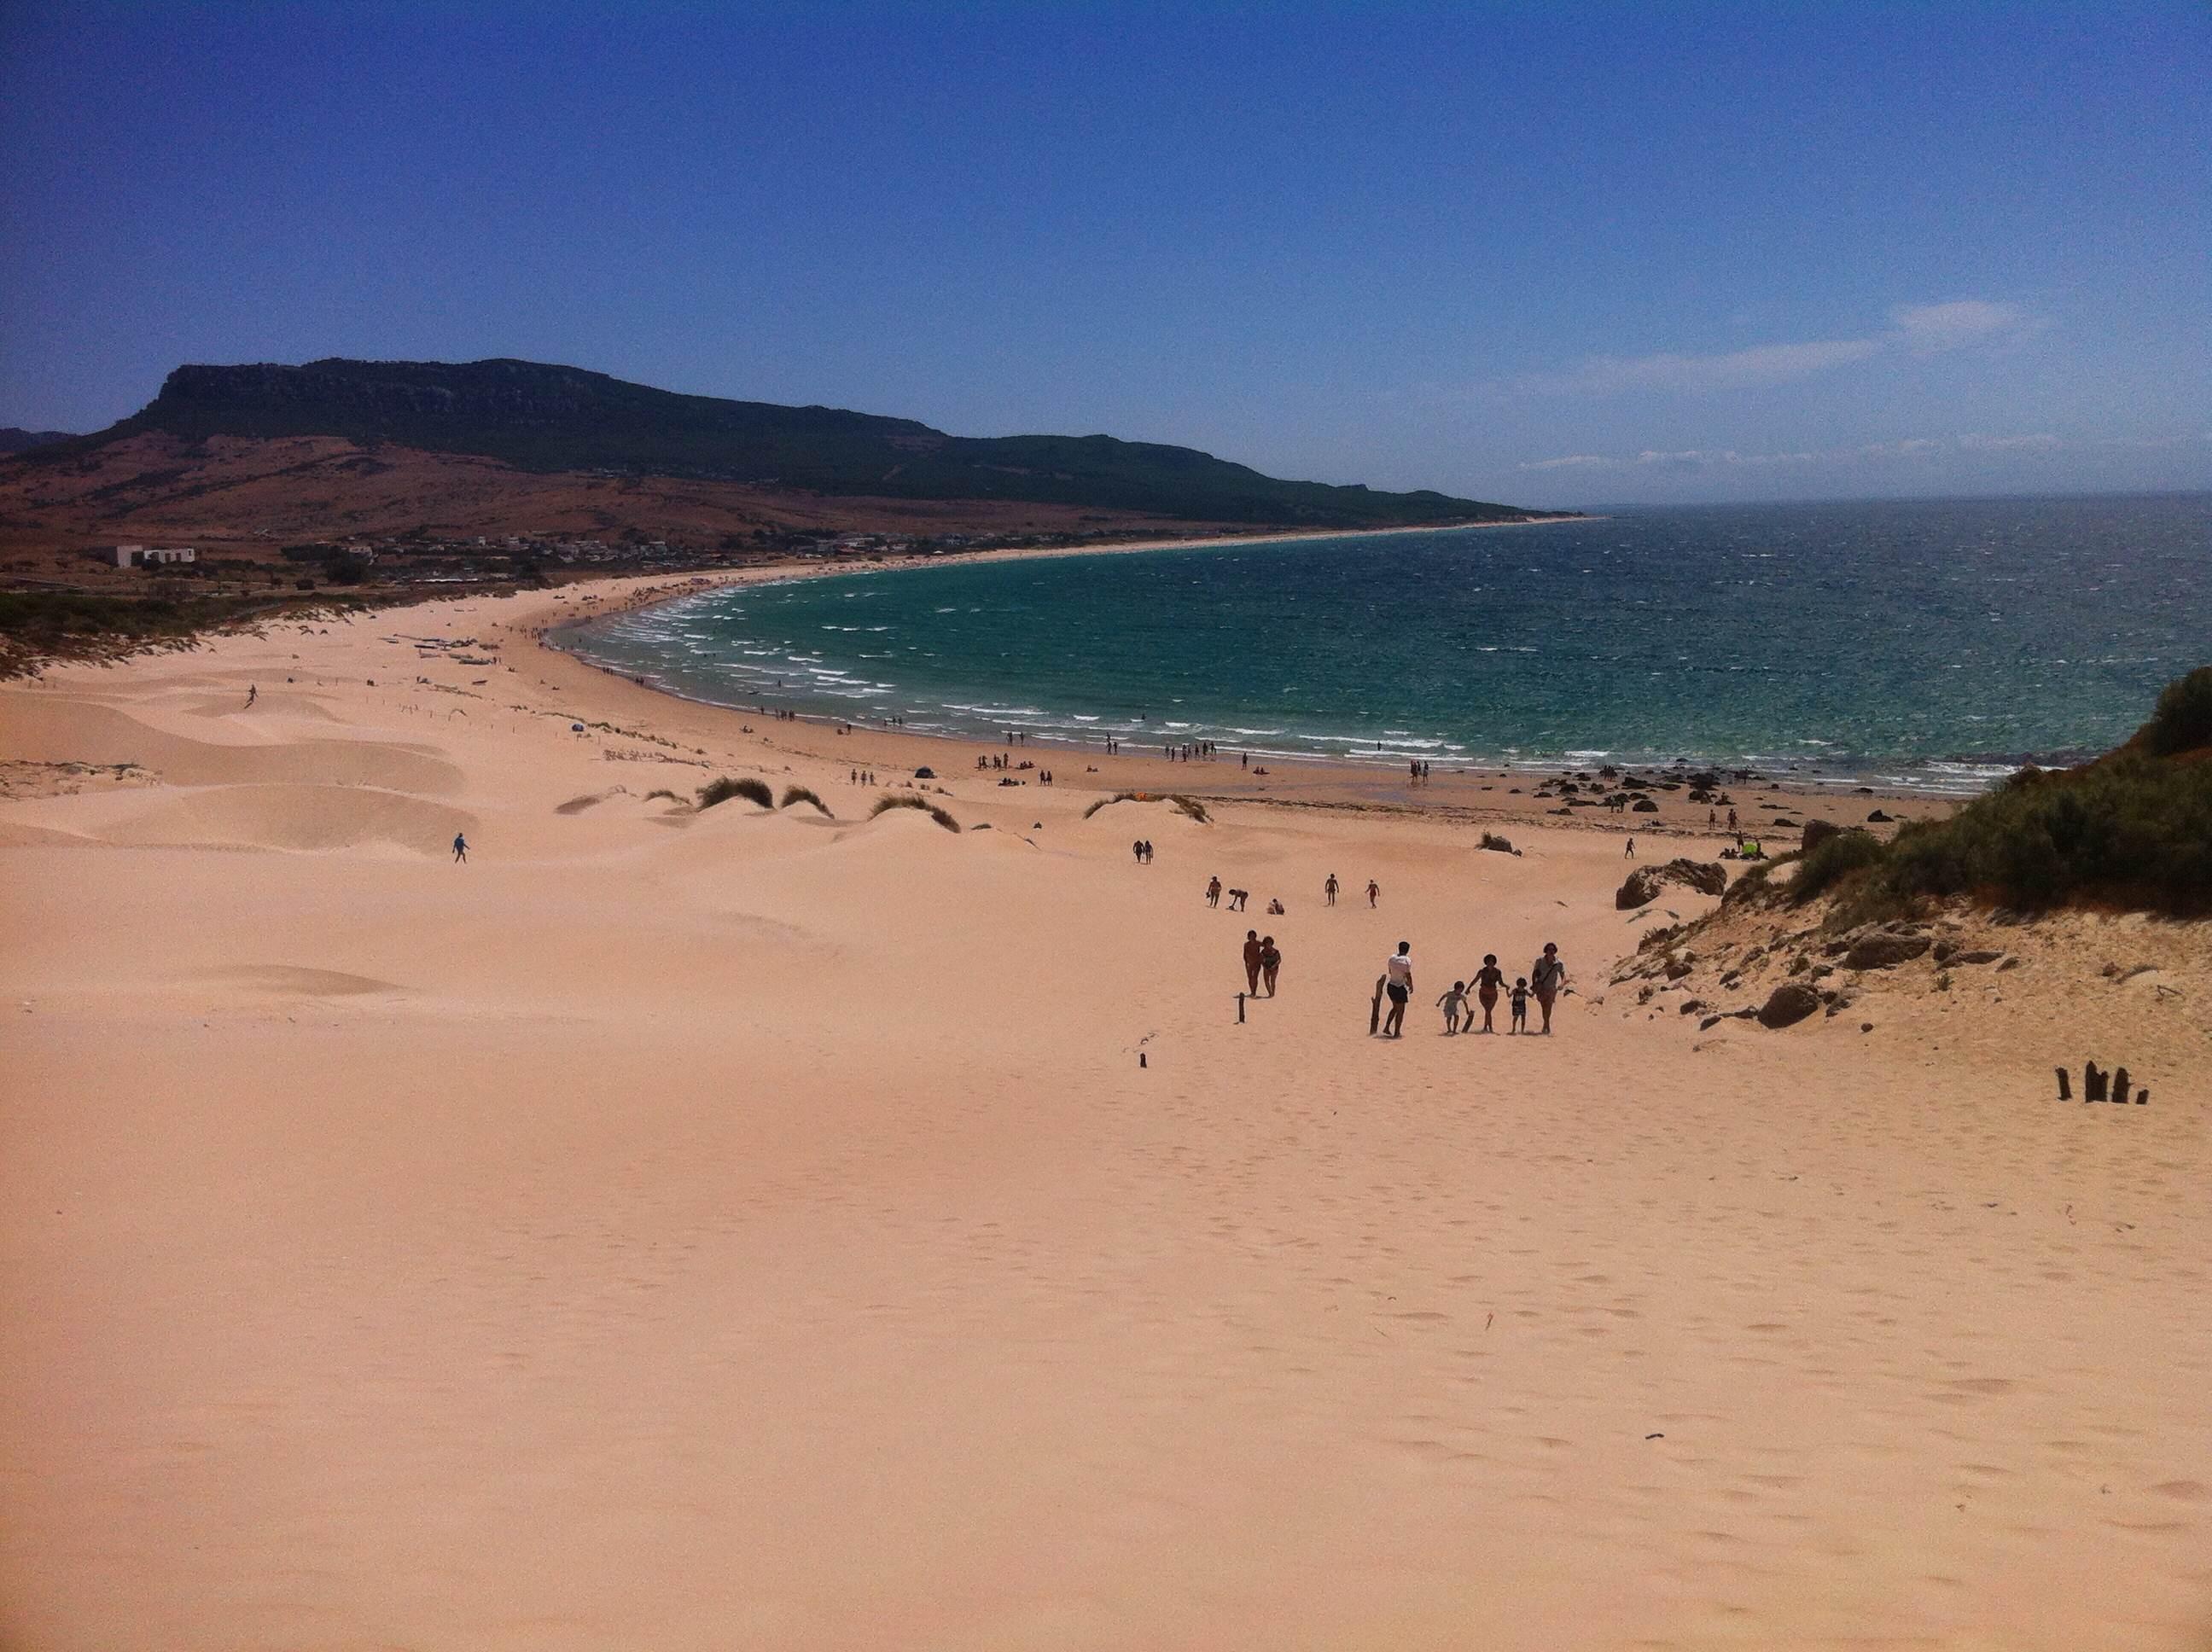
1374 893
1398 983
1545 977
461 848
1253 954
1271 963
1329 888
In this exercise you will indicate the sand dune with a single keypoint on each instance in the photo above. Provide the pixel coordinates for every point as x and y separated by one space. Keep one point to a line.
752 1229
292 818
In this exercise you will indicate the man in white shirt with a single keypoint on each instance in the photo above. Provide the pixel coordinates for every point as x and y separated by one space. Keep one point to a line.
1398 983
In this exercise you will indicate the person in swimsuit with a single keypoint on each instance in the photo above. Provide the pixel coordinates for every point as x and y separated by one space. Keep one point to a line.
1253 952
1213 892
1374 892
1271 962
1520 1024
1487 980
1329 888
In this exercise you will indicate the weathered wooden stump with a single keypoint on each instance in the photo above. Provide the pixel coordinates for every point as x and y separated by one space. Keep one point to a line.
2092 1083
2120 1086
2065 1085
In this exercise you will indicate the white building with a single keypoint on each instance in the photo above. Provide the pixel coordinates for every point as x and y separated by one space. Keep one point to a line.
149 556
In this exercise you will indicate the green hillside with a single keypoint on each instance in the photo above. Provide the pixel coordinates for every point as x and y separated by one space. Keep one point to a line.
563 419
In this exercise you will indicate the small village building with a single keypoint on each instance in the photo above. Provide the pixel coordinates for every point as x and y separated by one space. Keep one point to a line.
153 555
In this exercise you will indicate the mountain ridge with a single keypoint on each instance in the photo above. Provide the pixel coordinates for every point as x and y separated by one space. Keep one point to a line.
544 417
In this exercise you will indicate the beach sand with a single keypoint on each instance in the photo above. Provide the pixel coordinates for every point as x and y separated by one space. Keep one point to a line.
754 1229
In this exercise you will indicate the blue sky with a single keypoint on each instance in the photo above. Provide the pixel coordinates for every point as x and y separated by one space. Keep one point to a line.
1545 254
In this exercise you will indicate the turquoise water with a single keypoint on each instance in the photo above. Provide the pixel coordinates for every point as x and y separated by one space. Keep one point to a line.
1927 643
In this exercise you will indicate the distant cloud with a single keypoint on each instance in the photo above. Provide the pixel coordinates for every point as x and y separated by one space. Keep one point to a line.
1930 329
1915 330
2008 444
1701 459
1569 462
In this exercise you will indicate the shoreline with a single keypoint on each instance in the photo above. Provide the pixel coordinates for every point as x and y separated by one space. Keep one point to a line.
1343 769
1479 794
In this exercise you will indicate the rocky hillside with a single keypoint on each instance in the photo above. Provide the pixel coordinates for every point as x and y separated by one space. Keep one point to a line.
15 440
548 419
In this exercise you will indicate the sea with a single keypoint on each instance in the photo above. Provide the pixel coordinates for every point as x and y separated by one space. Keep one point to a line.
1929 645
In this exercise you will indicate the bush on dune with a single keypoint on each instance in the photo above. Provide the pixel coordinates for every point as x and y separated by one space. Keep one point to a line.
1832 860
802 794
2132 831
722 790
2183 721
908 800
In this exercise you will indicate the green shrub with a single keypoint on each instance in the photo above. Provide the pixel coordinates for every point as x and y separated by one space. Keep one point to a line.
1835 858
722 790
2133 830
2183 721
802 794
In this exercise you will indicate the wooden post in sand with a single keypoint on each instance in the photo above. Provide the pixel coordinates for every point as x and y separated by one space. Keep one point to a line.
1240 1009
2120 1086
2092 1083
1374 1009
2065 1087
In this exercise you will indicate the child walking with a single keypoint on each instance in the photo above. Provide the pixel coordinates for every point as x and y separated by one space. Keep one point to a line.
1455 1006
1520 1004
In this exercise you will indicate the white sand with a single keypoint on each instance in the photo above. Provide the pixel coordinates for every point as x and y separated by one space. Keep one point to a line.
755 1229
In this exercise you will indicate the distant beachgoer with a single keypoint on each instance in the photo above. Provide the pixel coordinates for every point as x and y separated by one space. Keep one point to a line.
252 693
1253 955
1213 892
1398 983
1237 897
1148 852
1731 820
1271 963
1374 892
460 847
1547 976
1520 1022
1137 850
1243 760
1329 888
1487 980
1276 907
1454 1003
1629 851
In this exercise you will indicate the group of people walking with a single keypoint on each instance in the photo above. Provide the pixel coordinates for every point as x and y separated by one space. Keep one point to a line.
1546 980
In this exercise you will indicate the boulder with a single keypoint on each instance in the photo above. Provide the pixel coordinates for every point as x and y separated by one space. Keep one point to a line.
1643 885
1816 831
1643 806
1878 817
1884 952
1788 1004
1979 955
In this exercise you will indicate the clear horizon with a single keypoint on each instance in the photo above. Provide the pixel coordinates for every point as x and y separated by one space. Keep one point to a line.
1575 259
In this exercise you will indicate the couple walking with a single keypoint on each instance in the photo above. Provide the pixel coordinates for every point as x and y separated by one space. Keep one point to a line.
1262 961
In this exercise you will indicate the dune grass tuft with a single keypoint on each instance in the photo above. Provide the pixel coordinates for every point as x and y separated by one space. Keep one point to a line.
908 801
722 790
804 794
